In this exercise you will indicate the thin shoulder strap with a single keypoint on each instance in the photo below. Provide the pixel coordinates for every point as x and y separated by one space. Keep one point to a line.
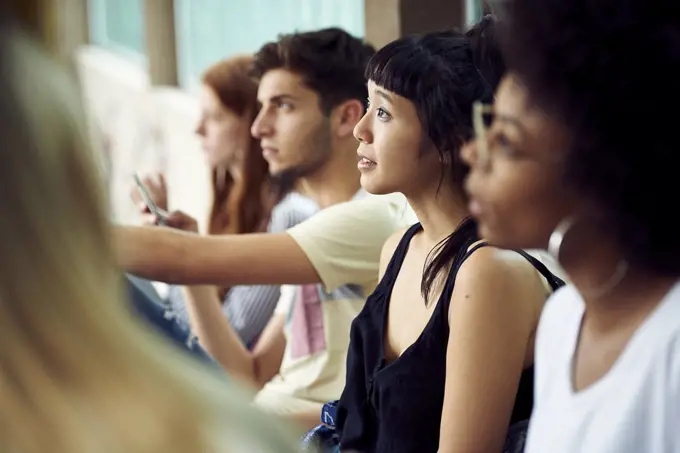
455 267
472 250
400 252
554 281
457 263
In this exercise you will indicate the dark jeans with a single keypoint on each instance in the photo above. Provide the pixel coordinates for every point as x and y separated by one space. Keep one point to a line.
151 309
324 438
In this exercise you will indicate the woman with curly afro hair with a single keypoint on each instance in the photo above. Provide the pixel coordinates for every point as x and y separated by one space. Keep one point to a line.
578 157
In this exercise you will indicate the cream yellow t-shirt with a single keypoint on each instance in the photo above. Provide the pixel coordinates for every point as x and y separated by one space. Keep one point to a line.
344 243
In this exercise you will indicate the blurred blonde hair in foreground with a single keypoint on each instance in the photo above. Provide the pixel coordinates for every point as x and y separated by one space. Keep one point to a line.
78 373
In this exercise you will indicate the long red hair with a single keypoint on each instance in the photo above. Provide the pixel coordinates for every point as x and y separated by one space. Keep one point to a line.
242 206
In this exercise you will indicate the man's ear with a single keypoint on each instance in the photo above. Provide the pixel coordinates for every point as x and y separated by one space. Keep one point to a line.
345 117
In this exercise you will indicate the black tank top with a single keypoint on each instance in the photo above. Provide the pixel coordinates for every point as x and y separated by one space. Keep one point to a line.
397 407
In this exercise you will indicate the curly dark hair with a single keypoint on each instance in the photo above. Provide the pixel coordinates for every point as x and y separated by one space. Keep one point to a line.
606 69
330 61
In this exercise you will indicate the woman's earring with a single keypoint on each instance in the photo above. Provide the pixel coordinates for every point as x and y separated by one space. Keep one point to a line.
555 247
557 236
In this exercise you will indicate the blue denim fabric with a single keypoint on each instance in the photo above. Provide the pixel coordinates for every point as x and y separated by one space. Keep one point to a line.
152 310
323 438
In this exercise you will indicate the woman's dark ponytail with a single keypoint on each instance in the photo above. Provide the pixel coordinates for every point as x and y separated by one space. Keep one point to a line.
490 66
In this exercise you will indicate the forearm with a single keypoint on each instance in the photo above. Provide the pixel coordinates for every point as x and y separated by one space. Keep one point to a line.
217 336
173 256
157 254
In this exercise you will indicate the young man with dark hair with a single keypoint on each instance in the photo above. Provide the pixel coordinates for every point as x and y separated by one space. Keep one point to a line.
312 92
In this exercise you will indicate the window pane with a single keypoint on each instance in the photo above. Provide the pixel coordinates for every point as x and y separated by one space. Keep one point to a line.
210 30
118 24
474 10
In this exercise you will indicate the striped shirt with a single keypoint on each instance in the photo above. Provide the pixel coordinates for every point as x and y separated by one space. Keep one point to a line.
249 308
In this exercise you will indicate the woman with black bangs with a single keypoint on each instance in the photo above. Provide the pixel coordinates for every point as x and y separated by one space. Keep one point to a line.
440 359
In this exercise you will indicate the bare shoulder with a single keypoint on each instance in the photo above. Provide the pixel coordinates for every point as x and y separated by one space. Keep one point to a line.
503 280
489 261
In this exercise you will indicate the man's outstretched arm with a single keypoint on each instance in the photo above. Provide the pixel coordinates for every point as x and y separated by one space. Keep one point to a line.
173 256
336 246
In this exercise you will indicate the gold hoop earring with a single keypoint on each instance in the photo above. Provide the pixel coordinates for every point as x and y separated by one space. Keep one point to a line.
555 247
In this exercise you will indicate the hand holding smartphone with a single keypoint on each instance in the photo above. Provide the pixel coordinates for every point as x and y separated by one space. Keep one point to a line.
160 214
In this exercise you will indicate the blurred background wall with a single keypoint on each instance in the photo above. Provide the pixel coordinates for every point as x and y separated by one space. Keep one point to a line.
139 62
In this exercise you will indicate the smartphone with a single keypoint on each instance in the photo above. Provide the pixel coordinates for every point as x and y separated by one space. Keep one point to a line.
160 214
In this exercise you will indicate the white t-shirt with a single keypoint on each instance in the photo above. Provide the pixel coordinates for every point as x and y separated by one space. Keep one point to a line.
634 408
